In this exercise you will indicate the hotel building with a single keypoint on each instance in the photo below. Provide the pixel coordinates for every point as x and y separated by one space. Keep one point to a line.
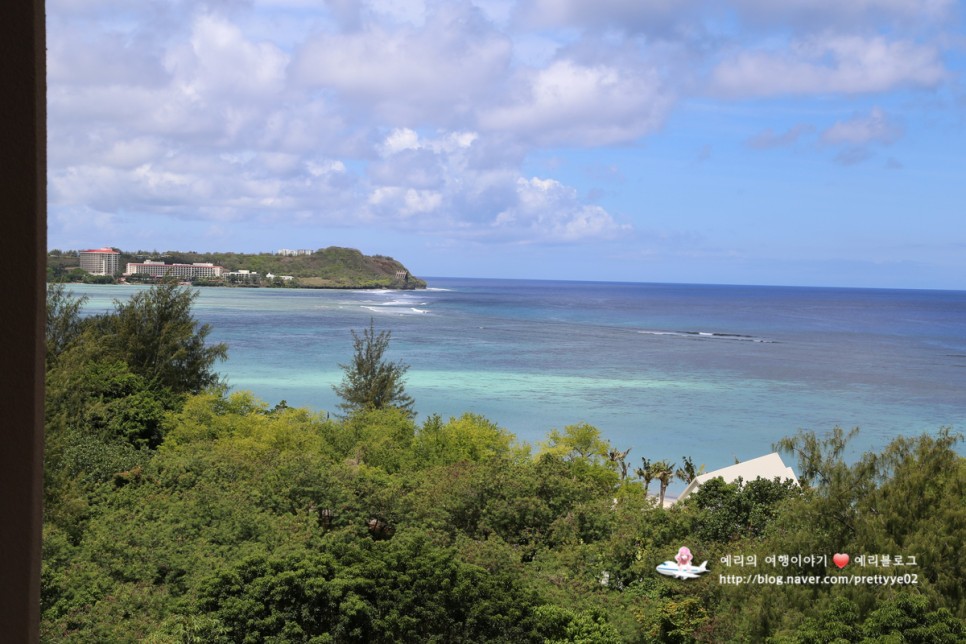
182 271
99 261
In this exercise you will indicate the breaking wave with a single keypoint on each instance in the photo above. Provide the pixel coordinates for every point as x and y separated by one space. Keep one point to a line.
710 335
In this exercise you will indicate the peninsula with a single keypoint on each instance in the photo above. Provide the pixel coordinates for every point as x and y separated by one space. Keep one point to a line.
332 267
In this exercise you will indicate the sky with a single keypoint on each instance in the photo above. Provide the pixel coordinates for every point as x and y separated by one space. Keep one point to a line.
801 142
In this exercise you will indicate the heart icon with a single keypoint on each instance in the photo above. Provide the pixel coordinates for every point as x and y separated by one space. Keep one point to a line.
840 559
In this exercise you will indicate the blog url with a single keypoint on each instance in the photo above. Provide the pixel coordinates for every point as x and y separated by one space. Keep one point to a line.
909 579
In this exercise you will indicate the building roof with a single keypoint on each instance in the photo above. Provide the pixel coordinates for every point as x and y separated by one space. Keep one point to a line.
768 467
101 250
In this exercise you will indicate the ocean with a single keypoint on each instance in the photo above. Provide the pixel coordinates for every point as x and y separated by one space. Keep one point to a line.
716 373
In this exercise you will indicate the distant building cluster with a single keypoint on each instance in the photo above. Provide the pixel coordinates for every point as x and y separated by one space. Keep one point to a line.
99 261
242 275
106 261
251 277
183 271
288 252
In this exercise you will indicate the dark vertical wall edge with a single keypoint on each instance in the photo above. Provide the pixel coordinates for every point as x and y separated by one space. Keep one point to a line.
23 169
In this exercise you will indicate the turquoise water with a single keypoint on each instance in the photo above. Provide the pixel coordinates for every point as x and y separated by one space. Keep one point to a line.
714 372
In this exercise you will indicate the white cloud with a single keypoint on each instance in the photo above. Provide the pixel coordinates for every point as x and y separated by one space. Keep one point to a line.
76 57
77 227
308 126
653 16
401 139
851 13
874 127
409 11
422 115
127 153
212 83
405 202
770 139
219 61
698 18
572 103
321 168
830 65
856 137
498 11
433 73
548 211
443 184
196 186
414 168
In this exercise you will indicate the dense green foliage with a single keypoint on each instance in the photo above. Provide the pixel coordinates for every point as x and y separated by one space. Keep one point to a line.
178 513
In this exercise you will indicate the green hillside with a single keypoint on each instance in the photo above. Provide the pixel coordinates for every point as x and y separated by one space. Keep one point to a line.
332 267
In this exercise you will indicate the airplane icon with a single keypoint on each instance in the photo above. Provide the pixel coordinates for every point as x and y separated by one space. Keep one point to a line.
672 569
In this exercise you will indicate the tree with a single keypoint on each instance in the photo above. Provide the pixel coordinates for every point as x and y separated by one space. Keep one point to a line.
580 442
370 382
739 510
156 335
407 589
558 625
688 472
663 472
817 455
620 458
64 322
646 473
471 438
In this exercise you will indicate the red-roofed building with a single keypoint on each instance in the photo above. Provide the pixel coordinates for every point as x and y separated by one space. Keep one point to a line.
100 261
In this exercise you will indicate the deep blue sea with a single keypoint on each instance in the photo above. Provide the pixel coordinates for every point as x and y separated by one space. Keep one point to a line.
713 372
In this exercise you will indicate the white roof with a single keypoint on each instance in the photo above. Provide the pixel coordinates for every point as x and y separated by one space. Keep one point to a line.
768 467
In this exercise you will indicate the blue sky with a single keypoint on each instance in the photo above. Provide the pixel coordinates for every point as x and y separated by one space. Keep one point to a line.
802 142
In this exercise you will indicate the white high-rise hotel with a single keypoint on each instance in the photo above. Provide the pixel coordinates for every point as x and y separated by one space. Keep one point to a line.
100 261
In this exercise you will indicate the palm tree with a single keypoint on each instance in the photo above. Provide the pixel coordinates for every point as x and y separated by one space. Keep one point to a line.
663 472
620 458
646 473
688 473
